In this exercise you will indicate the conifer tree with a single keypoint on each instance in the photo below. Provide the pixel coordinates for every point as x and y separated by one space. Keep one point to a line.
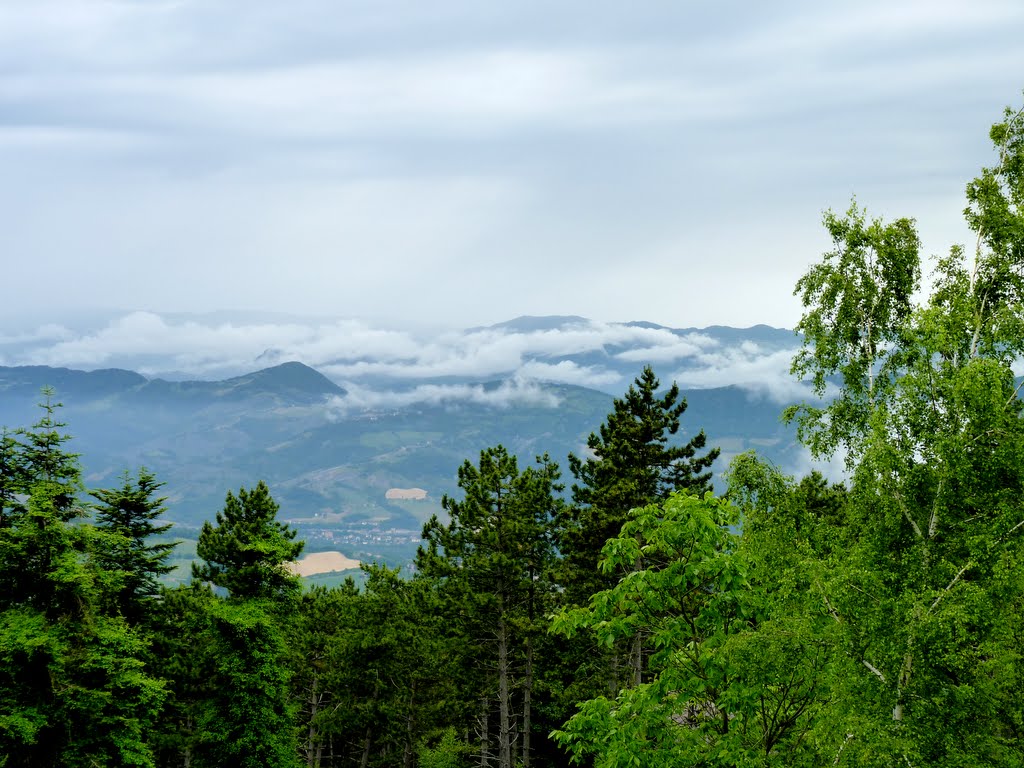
633 464
12 481
73 688
247 550
494 558
43 458
130 513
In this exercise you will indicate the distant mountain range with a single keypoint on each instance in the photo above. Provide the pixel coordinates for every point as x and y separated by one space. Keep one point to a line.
331 446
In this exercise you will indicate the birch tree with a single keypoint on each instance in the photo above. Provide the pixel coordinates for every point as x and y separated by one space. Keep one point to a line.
929 414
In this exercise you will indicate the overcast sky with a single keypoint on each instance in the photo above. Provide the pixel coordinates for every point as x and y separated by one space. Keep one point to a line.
457 163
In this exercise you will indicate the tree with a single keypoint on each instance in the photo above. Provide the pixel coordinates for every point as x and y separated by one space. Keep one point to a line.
130 513
247 551
926 590
182 654
44 459
493 556
704 703
632 465
73 688
12 480
250 722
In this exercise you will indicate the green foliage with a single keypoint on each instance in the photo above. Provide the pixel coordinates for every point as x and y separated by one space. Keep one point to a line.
246 552
130 514
631 465
448 753
723 688
73 687
182 654
922 581
43 459
493 566
857 302
250 722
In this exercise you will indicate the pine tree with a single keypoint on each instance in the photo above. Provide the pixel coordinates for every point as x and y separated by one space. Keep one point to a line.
44 459
249 722
73 688
247 551
632 465
493 556
12 475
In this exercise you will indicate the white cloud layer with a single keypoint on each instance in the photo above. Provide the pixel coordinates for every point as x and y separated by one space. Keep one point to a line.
507 394
598 355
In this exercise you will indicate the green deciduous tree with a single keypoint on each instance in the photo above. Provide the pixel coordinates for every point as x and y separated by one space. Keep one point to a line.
927 588
246 552
689 597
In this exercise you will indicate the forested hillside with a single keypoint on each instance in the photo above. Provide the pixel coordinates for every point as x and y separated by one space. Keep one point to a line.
617 612
332 467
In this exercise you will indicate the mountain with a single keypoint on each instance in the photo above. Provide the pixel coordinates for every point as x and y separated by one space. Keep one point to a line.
332 442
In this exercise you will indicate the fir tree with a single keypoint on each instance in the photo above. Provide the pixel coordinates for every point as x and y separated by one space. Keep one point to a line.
130 513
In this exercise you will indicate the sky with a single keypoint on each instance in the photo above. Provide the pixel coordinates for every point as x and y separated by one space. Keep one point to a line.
452 164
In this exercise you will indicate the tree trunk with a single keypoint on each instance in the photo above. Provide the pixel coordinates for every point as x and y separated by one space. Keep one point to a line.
504 727
527 695
313 749
407 756
365 760
485 727
636 660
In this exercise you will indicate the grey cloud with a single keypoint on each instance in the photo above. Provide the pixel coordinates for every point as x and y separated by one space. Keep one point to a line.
568 372
458 164
353 350
672 349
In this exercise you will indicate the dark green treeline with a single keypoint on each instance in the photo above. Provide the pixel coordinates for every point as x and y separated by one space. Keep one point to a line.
456 666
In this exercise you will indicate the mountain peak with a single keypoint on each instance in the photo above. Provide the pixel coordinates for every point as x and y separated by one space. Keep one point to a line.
291 377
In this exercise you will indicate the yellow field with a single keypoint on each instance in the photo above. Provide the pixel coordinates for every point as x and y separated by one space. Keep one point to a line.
322 562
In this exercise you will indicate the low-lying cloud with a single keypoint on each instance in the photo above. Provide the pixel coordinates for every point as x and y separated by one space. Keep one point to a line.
508 393
598 355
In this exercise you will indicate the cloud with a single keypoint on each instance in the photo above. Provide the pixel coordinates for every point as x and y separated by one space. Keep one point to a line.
508 393
747 366
49 332
568 372
455 164
833 468
600 354
675 348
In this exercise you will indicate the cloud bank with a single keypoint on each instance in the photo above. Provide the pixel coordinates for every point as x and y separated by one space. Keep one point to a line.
364 358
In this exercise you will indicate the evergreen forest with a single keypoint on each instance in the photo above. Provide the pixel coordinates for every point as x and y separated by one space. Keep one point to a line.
625 612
